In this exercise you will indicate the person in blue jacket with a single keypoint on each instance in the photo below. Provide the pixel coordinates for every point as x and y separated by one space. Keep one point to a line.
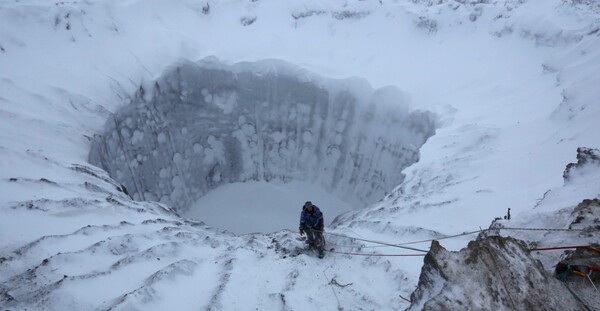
311 223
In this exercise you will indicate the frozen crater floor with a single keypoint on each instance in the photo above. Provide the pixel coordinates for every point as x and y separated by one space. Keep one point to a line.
252 206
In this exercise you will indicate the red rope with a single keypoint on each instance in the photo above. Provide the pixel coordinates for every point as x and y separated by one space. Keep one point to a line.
566 247
587 267
593 268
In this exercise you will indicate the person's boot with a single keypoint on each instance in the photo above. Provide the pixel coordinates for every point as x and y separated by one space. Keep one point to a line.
307 245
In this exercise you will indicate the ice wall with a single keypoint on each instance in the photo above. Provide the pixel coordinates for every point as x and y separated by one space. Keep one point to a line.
206 124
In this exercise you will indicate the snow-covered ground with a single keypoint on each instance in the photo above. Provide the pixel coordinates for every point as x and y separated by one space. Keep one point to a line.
514 84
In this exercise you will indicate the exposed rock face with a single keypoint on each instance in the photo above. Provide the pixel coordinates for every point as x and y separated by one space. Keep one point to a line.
207 124
585 157
495 273
580 260
586 215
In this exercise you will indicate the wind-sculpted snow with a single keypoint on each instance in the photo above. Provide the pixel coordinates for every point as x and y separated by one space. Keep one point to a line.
204 125
155 261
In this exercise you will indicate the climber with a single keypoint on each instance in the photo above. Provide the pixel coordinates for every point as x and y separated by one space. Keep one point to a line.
311 222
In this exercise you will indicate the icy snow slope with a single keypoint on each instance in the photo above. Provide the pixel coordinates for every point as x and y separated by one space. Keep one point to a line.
510 134
514 81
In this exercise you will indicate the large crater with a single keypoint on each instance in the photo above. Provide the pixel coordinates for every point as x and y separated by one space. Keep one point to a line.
205 124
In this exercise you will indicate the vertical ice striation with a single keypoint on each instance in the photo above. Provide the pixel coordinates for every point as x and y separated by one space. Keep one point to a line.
206 124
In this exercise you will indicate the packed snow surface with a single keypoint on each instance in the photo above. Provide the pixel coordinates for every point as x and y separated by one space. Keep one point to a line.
514 84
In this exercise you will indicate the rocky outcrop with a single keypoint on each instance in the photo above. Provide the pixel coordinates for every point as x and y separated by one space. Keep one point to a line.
580 270
585 157
495 273
205 124
582 260
586 215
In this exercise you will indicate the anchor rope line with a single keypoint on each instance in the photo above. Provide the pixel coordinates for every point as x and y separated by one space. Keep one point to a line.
590 268
409 243
358 246
492 229
594 268
444 237
590 279
535 229
376 242
504 283
403 245
377 255
588 247
586 267
563 278
579 299
333 290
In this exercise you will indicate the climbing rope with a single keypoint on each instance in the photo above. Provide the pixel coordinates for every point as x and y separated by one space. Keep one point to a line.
590 279
409 255
486 230
535 229
587 275
402 245
594 268
577 297
333 290
444 237
503 283
588 247
376 255
358 246
563 278
375 242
